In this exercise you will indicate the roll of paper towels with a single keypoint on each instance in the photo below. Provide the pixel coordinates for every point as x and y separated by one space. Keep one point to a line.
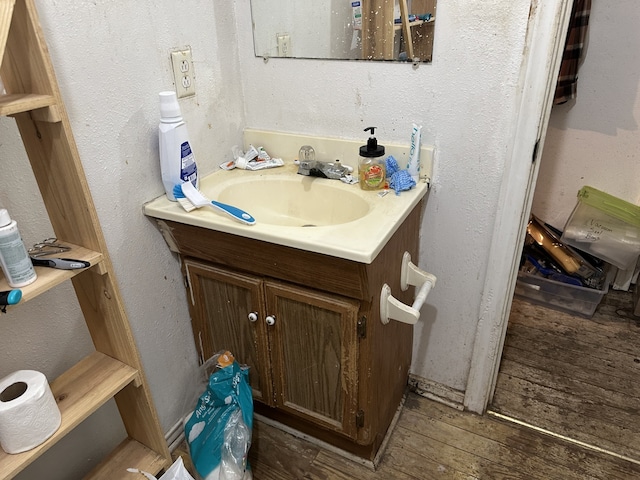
29 414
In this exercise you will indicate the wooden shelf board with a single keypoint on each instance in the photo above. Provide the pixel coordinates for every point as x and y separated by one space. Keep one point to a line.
50 277
23 102
79 392
129 454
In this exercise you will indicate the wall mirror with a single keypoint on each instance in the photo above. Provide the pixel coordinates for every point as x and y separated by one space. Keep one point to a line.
344 29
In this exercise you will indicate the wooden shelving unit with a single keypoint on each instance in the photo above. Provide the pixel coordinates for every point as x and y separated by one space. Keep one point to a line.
114 370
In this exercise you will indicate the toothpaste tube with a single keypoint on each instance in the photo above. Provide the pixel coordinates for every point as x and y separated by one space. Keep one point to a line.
242 159
228 165
257 159
413 166
252 153
259 164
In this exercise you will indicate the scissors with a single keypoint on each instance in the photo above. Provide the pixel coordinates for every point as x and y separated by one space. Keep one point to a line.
48 246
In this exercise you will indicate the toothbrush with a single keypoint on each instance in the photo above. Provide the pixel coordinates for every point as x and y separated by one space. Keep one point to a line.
191 198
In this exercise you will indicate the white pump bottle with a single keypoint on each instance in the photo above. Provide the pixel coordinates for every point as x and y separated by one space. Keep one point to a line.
177 160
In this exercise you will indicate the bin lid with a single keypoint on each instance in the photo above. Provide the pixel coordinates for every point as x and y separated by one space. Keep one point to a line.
613 206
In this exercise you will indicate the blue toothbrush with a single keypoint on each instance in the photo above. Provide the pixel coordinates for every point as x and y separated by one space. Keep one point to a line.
191 198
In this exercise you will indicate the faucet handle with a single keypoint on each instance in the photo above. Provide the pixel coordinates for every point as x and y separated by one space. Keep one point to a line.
306 153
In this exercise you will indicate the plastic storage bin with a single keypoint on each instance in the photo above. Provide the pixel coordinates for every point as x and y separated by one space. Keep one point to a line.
572 299
606 227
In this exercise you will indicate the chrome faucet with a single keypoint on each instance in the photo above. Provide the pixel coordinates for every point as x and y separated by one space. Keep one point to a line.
317 168
311 167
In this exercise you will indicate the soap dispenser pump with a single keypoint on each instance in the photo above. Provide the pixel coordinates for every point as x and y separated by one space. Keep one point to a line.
371 165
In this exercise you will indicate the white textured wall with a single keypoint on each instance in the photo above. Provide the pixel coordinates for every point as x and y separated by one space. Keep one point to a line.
595 139
112 59
465 101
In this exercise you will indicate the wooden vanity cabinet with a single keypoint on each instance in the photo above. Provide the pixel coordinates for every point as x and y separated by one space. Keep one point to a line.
308 325
301 344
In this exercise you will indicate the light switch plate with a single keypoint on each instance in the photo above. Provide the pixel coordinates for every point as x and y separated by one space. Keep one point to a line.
183 74
284 45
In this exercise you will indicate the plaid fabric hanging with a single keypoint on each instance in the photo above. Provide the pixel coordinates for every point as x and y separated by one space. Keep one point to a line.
568 78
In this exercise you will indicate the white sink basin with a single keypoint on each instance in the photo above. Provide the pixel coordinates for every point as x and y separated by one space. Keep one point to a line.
294 201
313 214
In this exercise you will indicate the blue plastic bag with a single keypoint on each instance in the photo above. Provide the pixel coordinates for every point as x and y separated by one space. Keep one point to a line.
225 409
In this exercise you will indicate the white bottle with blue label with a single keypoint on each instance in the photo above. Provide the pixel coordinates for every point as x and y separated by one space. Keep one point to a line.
14 258
177 160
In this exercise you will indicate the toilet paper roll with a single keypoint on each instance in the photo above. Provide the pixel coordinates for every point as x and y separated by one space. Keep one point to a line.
29 414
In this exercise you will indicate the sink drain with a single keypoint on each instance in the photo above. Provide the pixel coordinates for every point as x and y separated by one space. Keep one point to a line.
309 225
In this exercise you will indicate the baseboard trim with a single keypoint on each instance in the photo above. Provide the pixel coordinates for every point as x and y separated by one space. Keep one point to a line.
175 435
437 392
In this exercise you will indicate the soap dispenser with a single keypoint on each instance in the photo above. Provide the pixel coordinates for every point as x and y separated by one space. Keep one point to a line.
371 165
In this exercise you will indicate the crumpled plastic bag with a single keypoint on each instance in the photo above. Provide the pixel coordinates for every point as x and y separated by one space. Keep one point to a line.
218 432
177 471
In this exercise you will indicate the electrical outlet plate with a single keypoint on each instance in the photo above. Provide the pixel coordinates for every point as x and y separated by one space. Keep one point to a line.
284 45
183 72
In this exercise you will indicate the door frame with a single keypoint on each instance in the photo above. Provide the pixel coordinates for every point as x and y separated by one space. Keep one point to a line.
544 44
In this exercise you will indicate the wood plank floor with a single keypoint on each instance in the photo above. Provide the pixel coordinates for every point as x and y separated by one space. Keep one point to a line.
576 377
562 373
433 441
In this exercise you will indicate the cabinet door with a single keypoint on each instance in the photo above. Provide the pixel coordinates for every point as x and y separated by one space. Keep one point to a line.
314 354
223 305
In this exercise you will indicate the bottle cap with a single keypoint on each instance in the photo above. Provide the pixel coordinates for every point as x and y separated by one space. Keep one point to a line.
371 149
225 359
241 162
5 219
14 297
169 106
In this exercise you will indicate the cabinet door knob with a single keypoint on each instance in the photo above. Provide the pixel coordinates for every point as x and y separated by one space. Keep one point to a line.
271 320
253 316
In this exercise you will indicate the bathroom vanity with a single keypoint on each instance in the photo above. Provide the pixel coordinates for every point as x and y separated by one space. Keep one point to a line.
300 304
